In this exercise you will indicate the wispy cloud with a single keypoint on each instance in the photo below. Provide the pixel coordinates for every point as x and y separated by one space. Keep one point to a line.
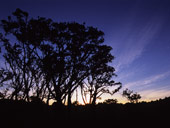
147 88
147 81
134 43
153 94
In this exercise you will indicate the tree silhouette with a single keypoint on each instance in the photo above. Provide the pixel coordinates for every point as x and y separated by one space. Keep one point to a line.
132 97
110 101
69 63
100 79
50 60
21 56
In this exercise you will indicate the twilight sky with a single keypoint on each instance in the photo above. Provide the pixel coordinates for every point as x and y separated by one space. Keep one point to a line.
138 31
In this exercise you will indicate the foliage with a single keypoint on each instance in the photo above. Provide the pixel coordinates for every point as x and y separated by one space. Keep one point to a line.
132 97
50 60
110 101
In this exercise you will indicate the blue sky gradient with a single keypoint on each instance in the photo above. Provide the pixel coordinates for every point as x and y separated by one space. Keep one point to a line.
138 31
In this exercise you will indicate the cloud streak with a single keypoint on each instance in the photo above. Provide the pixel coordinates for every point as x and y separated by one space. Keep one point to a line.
153 94
134 43
147 81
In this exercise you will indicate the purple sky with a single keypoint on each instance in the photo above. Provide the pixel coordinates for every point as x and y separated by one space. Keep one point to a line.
138 31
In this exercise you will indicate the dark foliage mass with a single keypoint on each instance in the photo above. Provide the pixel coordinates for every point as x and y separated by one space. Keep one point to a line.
132 97
37 114
48 60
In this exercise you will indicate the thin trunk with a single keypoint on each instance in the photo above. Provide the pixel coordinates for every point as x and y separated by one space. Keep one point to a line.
76 95
94 100
82 95
69 104
48 99
94 97
69 100
93 105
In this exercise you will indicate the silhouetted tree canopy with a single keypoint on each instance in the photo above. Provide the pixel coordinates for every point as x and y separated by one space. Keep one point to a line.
132 97
49 60
100 79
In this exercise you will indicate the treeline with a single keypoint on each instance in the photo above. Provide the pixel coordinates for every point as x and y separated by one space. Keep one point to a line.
37 114
47 60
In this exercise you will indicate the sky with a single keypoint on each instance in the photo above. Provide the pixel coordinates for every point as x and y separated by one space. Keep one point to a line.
137 30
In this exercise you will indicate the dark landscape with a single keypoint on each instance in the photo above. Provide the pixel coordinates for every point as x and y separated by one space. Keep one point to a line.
37 115
88 63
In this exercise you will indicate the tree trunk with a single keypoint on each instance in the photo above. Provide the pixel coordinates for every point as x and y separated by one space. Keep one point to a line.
69 100
93 105
48 99
69 104
94 98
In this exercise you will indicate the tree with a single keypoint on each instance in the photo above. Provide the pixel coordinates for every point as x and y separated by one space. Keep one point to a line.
70 57
132 97
50 60
20 56
100 79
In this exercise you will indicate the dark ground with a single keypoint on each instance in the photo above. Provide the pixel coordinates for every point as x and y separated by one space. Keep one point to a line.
16 114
